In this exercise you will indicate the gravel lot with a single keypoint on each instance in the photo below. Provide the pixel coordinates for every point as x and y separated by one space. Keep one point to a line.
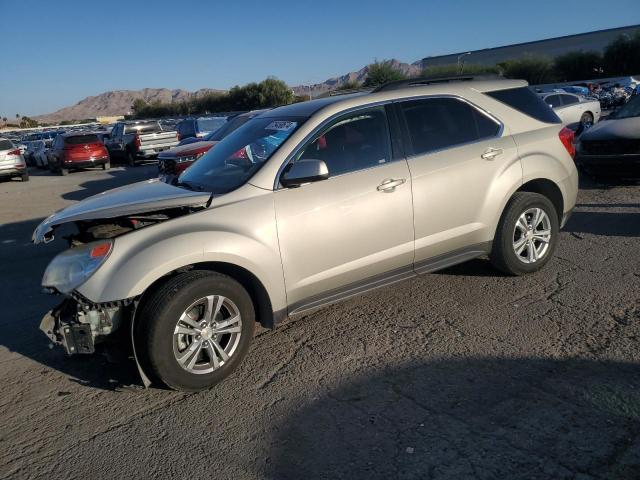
459 374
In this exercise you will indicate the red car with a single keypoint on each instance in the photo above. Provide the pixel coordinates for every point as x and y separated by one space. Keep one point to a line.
77 150
172 163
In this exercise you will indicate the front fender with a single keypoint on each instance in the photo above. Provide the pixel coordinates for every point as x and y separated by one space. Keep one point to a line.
244 238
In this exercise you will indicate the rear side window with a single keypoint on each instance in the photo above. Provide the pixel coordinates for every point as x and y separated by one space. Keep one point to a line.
80 139
438 123
152 127
6 145
569 99
553 101
526 101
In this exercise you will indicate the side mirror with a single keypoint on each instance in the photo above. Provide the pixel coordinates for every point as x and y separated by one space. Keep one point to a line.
304 171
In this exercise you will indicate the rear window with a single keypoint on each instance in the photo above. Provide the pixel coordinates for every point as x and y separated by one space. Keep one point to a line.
6 145
152 127
526 101
210 124
80 139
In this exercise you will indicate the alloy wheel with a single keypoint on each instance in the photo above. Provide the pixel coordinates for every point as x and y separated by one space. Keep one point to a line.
532 235
207 334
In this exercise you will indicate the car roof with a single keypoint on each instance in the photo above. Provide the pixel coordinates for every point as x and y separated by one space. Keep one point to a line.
350 100
77 133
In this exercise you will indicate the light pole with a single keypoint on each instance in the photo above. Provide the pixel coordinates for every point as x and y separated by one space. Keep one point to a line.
461 65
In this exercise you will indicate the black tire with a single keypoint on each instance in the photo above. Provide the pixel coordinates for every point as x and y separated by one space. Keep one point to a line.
131 158
586 121
25 177
106 165
63 171
503 256
159 314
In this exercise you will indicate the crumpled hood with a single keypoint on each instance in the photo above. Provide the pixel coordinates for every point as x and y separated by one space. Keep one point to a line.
184 150
141 197
628 128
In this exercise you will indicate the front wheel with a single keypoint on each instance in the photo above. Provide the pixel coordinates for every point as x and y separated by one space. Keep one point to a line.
527 234
195 330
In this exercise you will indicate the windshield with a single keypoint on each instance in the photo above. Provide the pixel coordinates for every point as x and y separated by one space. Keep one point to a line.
631 109
228 128
236 158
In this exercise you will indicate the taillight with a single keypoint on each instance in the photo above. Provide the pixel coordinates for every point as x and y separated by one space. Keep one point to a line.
566 137
14 152
137 141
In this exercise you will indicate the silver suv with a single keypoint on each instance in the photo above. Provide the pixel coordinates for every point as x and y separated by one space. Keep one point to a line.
306 205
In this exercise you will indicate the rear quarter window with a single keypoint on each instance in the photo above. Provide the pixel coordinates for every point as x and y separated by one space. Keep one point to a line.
142 128
524 100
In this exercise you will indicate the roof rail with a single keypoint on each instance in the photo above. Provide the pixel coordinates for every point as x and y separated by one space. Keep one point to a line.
334 93
416 82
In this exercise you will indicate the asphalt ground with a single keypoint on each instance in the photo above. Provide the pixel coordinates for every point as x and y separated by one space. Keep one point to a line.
464 373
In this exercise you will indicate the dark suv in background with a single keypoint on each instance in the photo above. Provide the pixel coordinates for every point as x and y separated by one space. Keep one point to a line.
198 127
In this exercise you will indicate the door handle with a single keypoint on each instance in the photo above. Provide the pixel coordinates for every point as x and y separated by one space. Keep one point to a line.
390 184
491 153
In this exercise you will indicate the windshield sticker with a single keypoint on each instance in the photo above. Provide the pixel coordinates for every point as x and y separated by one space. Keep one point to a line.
281 125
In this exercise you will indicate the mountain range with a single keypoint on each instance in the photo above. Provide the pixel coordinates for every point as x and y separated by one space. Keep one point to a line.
119 102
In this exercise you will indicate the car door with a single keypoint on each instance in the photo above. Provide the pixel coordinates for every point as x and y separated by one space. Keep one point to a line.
457 153
355 229
115 145
571 109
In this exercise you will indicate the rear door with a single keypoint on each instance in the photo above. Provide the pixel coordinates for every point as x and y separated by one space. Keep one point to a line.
571 109
349 231
456 153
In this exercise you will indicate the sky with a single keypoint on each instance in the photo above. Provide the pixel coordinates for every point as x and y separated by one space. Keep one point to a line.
53 54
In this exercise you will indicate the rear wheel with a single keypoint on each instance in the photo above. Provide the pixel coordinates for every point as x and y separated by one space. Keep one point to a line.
195 330
131 158
25 177
106 165
527 234
63 171
586 121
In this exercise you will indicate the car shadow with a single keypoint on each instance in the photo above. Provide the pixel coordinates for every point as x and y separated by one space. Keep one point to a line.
117 178
24 305
474 418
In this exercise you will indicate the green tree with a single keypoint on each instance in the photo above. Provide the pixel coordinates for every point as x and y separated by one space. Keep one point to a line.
350 85
578 66
622 56
379 73
532 68
453 69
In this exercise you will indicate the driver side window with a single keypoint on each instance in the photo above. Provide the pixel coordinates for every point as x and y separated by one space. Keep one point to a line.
353 142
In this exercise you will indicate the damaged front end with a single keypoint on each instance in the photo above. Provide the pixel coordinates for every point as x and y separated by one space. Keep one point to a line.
79 324
79 327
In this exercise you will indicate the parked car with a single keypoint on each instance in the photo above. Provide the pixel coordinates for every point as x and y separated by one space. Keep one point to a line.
613 146
74 150
133 141
198 127
12 163
331 198
28 153
39 153
173 162
574 110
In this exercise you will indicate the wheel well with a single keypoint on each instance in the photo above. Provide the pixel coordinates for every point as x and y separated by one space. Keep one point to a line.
255 288
549 189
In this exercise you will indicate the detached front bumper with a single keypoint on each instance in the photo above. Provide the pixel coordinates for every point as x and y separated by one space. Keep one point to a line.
78 328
